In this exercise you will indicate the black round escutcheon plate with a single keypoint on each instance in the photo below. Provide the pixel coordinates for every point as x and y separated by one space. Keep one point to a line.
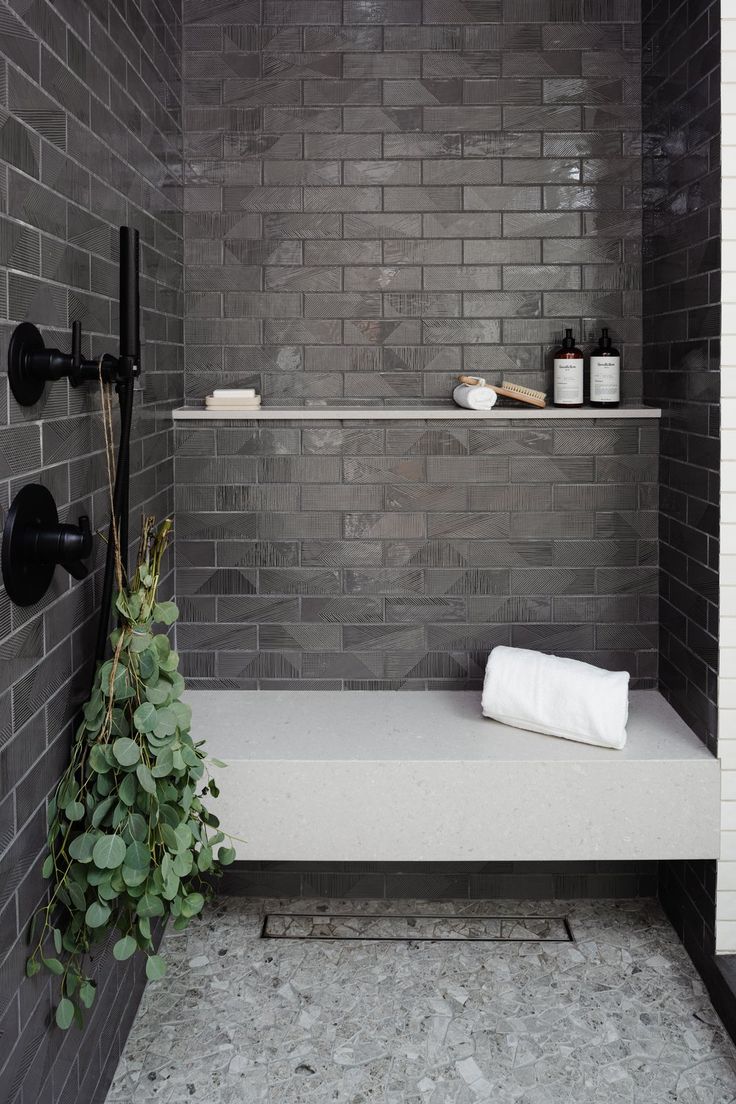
26 340
33 508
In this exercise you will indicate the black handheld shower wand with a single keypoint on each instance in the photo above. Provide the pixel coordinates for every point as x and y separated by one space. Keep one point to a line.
129 367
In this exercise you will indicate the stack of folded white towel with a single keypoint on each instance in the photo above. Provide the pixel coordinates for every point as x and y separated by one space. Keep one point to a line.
560 697
243 398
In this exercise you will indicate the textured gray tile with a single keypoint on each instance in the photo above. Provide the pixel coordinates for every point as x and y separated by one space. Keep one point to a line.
375 525
404 288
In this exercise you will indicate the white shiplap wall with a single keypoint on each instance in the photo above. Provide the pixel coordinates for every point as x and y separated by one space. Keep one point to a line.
726 899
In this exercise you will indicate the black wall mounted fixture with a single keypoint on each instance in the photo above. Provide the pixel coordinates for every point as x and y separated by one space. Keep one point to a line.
31 365
35 542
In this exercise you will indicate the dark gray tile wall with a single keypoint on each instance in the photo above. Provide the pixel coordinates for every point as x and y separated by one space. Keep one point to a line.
380 195
681 82
90 138
429 881
372 555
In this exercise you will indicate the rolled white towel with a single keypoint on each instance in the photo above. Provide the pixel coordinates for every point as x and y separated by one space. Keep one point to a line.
560 697
475 398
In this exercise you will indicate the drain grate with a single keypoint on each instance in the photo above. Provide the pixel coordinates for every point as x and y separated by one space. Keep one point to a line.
399 927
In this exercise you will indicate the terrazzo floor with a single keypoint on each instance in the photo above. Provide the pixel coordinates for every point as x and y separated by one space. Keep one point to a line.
619 1016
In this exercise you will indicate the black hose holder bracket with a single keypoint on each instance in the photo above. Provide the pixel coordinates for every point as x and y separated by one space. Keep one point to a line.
31 365
35 542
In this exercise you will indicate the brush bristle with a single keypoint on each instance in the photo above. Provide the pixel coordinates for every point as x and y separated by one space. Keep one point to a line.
524 390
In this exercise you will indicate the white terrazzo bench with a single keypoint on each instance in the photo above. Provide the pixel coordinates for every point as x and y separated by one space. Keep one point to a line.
359 776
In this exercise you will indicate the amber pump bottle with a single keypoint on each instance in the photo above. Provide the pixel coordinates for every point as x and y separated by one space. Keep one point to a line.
568 373
605 373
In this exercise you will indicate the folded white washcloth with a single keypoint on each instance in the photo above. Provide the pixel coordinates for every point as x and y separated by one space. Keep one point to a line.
475 398
560 697
234 393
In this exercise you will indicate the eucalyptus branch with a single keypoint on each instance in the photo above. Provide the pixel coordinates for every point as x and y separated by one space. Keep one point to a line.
129 840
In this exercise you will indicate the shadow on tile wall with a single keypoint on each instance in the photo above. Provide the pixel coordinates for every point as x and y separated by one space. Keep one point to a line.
90 138
682 120
382 194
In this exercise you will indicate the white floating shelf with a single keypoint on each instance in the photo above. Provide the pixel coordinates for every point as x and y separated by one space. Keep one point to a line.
412 413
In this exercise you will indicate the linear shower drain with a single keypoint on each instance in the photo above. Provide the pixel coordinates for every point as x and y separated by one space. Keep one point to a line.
396 927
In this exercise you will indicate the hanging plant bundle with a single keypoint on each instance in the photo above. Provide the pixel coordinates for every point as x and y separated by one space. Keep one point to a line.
130 837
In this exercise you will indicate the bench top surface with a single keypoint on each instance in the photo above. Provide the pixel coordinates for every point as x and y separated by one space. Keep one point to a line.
414 726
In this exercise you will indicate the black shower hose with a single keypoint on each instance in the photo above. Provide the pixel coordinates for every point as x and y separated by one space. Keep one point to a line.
120 507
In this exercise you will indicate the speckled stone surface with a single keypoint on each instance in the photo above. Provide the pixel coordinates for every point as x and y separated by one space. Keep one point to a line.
617 1017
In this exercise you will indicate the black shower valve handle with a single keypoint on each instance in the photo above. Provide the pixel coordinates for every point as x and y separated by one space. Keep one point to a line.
86 371
63 544
31 365
75 545
35 541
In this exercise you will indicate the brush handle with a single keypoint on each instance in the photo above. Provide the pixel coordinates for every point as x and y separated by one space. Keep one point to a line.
471 381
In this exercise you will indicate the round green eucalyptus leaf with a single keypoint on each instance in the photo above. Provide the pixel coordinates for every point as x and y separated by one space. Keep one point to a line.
144 717
139 641
168 835
144 776
101 811
96 915
183 863
64 1013
108 852
155 967
164 763
126 751
148 666
177 682
106 891
183 714
226 855
119 723
171 886
133 877
165 612
87 993
137 826
165 722
94 707
150 905
104 784
157 695
133 603
170 662
82 847
192 904
128 790
137 856
124 948
76 896
120 814
98 760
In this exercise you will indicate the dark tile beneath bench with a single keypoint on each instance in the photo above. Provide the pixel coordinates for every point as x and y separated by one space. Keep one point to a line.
443 881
